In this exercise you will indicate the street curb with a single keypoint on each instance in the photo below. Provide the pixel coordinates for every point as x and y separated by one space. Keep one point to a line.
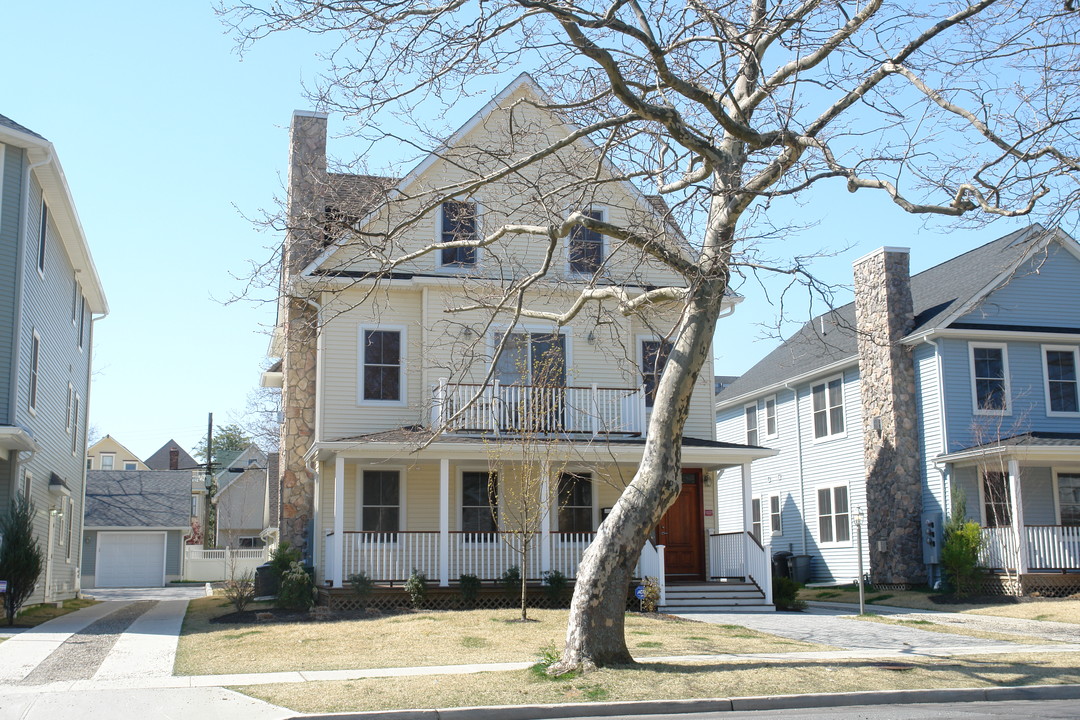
675 707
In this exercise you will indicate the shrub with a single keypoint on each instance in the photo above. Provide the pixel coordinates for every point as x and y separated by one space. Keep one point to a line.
960 550
21 559
416 586
470 589
555 584
785 593
362 587
297 589
511 581
652 595
240 590
282 558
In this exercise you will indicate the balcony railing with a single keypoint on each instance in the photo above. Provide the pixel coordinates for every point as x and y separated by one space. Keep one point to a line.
515 409
1048 547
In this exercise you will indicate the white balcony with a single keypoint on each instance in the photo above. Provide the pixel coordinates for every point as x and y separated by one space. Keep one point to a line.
525 409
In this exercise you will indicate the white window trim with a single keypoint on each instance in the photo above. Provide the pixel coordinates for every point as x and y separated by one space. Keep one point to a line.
461 470
76 291
403 400
70 407
767 504
828 417
531 329
975 409
101 460
603 210
1062 470
594 493
1046 376
403 476
34 389
454 267
760 520
757 423
817 511
776 418
125 463
75 426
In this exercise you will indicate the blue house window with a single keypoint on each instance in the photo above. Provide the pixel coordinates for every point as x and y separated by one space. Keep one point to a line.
990 378
1061 380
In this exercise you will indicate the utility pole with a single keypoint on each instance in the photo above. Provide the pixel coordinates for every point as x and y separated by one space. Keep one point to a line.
210 526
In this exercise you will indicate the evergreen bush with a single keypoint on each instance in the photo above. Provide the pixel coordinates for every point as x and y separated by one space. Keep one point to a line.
297 590
21 559
416 586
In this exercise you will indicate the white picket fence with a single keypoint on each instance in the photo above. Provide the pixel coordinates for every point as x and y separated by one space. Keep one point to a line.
219 564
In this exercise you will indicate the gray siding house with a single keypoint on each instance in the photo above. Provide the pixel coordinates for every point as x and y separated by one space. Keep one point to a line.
959 381
49 296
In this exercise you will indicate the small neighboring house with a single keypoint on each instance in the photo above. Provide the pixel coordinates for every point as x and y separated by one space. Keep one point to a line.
171 456
108 454
50 295
135 525
243 500
402 471
959 380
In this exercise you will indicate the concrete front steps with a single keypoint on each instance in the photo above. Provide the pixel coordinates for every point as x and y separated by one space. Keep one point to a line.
715 597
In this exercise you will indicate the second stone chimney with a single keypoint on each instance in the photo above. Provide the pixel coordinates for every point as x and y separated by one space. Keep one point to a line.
174 458
884 315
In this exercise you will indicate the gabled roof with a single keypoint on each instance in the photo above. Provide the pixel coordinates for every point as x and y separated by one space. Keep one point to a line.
50 175
138 498
939 295
160 459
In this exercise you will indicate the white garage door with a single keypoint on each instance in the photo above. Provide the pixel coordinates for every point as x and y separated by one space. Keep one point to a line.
130 560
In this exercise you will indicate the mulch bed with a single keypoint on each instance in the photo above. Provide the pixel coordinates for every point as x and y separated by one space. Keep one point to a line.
265 616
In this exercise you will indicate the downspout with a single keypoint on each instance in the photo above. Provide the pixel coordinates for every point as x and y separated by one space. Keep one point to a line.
946 500
316 515
799 453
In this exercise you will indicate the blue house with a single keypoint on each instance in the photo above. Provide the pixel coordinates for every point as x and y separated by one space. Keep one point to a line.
959 382
49 295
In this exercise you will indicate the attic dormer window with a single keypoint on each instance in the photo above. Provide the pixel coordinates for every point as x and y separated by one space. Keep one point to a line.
457 221
586 251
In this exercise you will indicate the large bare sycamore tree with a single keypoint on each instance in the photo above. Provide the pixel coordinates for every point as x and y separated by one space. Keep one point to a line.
726 109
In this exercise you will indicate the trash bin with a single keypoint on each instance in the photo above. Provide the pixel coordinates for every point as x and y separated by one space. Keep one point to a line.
780 564
800 568
266 581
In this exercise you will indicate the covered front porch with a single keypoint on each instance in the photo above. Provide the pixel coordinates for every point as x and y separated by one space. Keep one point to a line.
1024 492
391 503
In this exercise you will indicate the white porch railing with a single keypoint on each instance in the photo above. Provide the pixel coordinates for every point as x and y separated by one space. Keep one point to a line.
1048 547
391 557
499 408
739 554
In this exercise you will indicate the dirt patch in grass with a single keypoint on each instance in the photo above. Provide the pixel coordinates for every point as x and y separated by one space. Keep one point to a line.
651 681
1029 608
37 614
424 638
932 626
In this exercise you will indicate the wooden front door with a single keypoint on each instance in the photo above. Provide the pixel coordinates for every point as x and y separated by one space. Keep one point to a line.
682 531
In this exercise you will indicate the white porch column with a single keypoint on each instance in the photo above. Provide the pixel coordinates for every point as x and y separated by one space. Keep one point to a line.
1016 507
338 576
444 523
747 500
545 517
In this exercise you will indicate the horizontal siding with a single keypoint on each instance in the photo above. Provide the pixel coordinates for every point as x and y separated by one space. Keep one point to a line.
11 186
931 430
1042 293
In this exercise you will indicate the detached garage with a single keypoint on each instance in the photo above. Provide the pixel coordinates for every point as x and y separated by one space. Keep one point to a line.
136 521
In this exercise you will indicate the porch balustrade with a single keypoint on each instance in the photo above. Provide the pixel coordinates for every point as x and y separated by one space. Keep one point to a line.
1048 547
739 554
498 408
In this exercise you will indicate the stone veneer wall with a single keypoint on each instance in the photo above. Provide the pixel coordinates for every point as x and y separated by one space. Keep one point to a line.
884 315
299 321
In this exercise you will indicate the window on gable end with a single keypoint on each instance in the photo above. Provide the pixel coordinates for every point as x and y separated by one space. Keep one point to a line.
458 224
770 417
586 247
751 415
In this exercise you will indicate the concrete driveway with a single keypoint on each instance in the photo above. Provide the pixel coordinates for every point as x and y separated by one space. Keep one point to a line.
169 592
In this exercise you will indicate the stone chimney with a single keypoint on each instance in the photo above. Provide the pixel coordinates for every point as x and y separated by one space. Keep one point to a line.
883 316
174 458
299 324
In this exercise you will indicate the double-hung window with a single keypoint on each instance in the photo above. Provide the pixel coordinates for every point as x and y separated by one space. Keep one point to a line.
990 379
1069 498
828 407
575 497
770 417
776 522
381 377
43 231
1060 365
458 224
755 518
479 502
996 507
654 355
75 426
834 517
586 248
751 414
380 509
108 461
70 406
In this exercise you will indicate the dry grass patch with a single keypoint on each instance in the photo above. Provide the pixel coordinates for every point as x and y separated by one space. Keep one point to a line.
37 614
1057 610
931 626
431 638
651 681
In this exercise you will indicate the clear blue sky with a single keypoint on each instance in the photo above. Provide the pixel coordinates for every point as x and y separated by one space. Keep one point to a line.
168 139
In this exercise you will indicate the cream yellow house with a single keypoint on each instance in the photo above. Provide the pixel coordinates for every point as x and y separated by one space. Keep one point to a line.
425 431
108 454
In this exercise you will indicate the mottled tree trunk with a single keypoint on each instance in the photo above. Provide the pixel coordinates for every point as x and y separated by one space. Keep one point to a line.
594 634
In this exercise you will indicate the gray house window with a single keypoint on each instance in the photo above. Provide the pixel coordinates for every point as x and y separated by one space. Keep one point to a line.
479 501
382 365
458 224
828 406
382 501
586 246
